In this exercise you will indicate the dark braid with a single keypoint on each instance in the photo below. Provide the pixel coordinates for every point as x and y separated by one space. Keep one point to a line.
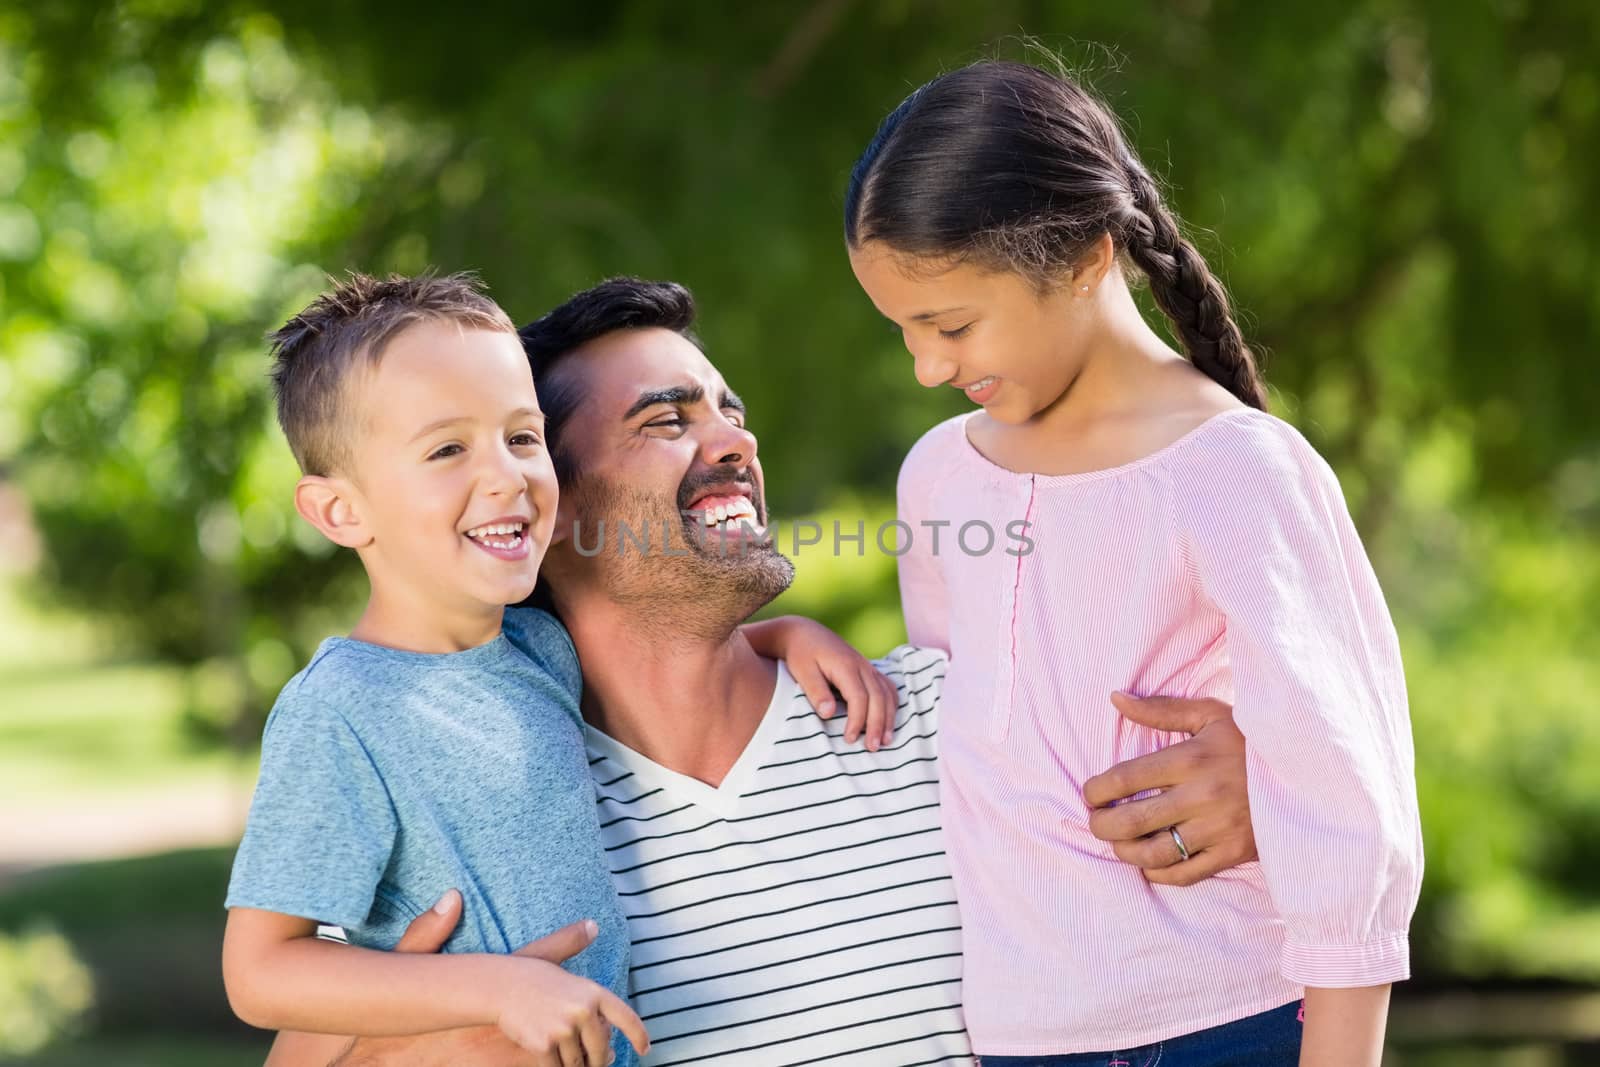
1020 169
1186 291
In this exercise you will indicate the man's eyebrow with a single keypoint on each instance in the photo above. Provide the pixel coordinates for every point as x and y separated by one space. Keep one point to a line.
731 399
679 395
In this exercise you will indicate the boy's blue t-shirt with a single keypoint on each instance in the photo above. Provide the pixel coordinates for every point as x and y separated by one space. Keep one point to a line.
388 777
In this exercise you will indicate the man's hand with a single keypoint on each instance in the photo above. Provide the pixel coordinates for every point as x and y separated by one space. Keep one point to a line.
1202 783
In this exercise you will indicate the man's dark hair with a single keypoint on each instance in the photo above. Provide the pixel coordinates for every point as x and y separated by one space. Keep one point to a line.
315 353
614 304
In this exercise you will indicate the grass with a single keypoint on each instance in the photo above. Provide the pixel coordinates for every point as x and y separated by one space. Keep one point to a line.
74 724
93 899
149 930
76 727
150 1052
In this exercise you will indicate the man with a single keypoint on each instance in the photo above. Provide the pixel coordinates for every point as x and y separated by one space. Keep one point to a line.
787 895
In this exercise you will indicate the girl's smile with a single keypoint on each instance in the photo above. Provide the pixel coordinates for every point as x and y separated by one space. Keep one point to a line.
980 391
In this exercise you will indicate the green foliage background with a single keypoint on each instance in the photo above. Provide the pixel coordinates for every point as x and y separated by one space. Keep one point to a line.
1400 194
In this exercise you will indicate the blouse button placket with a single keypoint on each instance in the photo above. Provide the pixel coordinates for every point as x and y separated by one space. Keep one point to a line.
1022 498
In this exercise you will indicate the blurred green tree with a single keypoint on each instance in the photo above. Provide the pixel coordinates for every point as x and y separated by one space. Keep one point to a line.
159 216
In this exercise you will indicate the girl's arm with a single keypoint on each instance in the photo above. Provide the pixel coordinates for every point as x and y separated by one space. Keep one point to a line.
1344 1027
806 645
924 600
279 976
822 662
1319 695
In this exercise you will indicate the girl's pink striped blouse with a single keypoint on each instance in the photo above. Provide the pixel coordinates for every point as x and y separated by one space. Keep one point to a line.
1224 565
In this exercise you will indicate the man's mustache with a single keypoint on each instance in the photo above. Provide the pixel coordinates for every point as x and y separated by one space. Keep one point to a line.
693 486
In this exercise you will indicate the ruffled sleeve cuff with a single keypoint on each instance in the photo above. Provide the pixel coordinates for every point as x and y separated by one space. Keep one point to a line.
1377 962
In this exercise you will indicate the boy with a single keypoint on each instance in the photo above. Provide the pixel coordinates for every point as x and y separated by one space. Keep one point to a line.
427 750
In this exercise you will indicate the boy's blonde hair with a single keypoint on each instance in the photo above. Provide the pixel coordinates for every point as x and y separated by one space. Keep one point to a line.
348 327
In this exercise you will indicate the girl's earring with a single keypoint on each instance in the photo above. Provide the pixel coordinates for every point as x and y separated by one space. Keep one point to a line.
1085 288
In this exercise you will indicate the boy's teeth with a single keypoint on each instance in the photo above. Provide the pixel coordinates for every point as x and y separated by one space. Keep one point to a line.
496 529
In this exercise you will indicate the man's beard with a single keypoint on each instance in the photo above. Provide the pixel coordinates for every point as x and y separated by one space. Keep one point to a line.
648 551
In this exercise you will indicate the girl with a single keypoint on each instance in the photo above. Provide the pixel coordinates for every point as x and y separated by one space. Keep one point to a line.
1188 544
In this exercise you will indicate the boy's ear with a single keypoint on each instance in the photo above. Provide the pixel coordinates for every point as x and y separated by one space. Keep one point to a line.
328 503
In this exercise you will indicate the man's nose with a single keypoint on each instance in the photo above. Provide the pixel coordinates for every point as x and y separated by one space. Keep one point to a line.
728 442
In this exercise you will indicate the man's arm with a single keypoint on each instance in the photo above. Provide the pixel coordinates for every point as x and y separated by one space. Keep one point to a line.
479 1046
292 1049
1203 794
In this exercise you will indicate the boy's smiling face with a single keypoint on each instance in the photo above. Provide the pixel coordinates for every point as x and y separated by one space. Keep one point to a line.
450 474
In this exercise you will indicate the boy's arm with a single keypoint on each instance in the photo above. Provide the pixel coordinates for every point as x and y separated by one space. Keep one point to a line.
822 662
279 976
480 1046
426 933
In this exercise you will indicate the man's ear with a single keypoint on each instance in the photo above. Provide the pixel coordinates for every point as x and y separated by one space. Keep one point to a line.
329 504
566 515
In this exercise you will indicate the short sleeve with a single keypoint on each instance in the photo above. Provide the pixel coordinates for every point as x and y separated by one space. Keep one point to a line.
919 674
1320 697
321 825
543 639
924 599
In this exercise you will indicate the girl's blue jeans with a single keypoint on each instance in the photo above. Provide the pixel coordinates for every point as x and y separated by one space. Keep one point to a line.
1271 1039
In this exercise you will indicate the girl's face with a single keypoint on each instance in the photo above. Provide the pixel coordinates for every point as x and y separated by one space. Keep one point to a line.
993 335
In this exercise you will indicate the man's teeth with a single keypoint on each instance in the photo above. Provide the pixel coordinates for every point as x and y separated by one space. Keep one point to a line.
741 509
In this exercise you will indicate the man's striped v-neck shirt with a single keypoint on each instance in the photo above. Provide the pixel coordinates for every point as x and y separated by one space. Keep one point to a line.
803 911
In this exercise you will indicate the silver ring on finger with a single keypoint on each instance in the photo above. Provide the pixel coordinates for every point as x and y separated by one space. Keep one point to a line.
1177 839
